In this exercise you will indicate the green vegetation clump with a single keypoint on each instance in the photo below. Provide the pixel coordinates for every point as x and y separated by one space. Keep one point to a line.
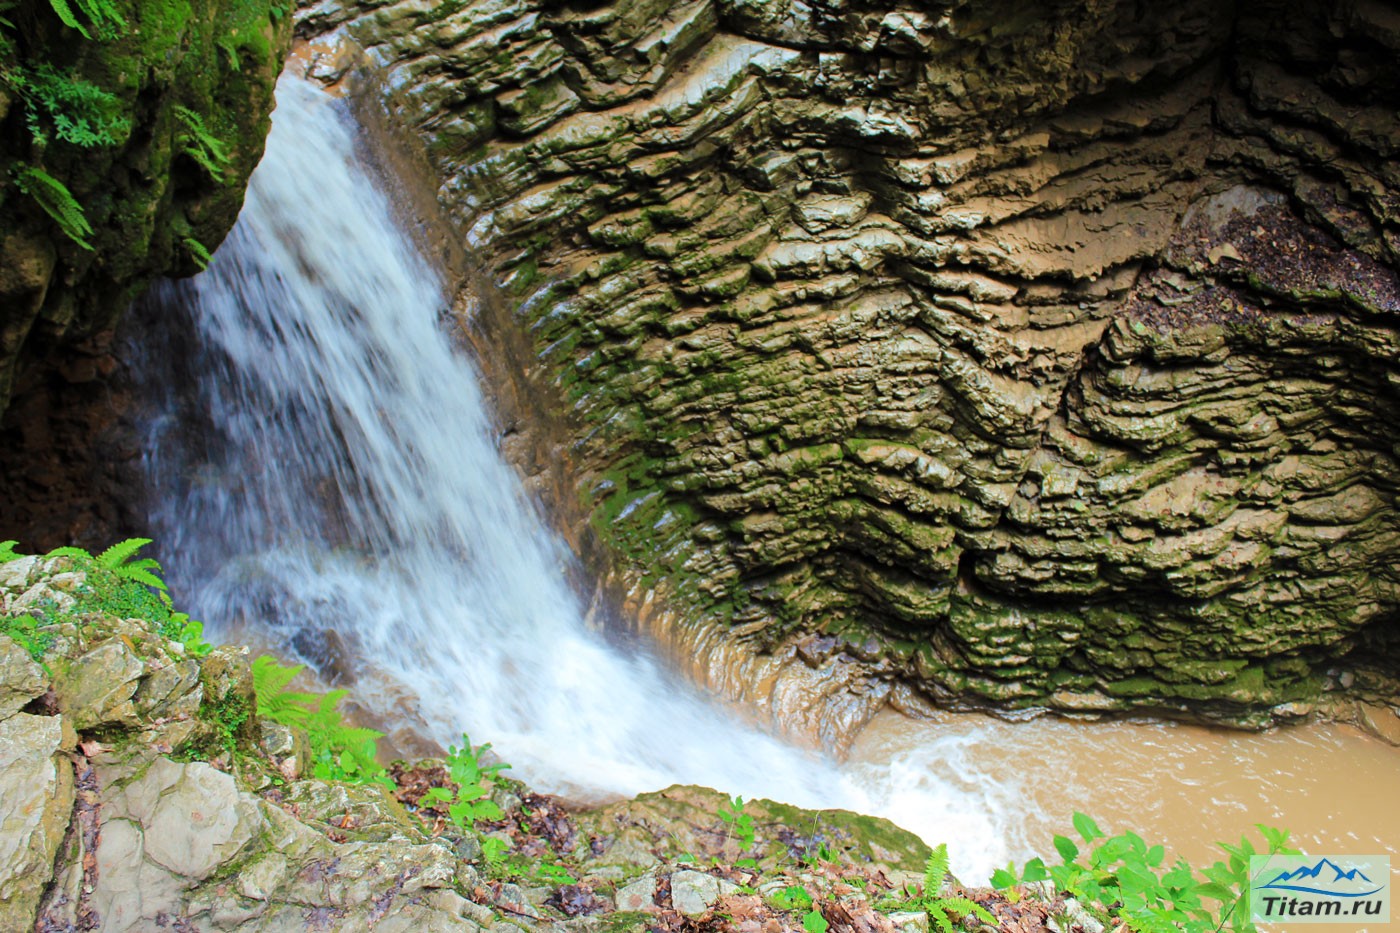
940 908
1125 871
134 124
471 801
339 752
25 631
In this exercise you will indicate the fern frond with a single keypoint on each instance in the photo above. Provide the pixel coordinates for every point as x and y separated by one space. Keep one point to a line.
121 552
65 14
7 552
936 870
69 552
206 149
57 201
198 252
354 736
330 700
274 700
79 111
940 920
140 572
966 906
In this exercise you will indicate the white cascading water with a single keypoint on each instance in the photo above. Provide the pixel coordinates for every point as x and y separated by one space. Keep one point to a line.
322 461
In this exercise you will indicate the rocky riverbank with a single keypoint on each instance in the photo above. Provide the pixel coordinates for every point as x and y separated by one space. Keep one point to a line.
143 790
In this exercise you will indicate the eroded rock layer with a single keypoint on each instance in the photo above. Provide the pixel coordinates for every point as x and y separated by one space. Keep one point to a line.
1046 352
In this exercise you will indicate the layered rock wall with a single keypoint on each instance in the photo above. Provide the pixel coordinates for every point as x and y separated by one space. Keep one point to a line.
1046 354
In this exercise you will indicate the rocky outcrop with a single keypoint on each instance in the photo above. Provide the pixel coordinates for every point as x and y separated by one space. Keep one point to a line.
112 818
141 790
1042 358
152 123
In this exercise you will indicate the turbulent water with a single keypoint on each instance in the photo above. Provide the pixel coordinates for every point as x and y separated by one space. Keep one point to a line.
326 480
324 466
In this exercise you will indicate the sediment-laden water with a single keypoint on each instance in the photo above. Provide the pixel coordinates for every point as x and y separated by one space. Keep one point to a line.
326 480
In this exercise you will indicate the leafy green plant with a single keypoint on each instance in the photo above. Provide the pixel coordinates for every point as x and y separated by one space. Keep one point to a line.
554 874
795 897
339 752
1128 875
71 108
822 853
104 17
198 252
188 632
25 631
57 201
742 824
119 560
493 852
792 897
939 908
471 801
8 553
195 141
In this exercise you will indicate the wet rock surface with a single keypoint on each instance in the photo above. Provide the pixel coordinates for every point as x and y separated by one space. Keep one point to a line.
1055 353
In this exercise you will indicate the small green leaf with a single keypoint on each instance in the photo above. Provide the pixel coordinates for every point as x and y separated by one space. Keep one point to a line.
1067 849
1087 828
1035 871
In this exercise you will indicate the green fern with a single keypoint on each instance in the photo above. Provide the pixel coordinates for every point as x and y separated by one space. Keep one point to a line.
118 559
69 552
72 108
106 20
66 15
206 149
275 701
940 909
8 553
198 252
57 201
338 751
936 868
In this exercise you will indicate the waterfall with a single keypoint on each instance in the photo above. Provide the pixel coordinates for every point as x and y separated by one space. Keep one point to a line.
321 463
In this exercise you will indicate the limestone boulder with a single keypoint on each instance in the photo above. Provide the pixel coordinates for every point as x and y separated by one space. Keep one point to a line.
21 679
36 801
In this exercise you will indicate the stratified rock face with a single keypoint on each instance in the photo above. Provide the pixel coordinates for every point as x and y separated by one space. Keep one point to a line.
1053 346
189 90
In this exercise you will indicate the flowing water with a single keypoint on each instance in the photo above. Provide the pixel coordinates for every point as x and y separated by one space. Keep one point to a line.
325 479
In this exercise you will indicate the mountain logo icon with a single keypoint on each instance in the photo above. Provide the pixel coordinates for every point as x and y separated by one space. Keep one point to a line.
1326 878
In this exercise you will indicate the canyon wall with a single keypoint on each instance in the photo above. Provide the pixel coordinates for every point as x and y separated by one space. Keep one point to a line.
151 123
1044 357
